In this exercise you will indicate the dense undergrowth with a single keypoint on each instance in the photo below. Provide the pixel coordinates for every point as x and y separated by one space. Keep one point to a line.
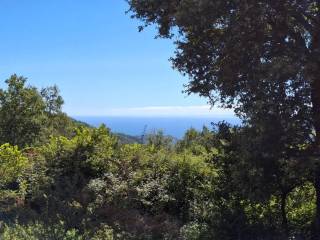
61 179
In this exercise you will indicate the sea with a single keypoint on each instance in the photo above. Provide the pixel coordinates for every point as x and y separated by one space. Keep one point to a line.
173 126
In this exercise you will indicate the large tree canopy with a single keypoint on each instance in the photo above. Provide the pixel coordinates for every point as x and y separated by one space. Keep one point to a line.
261 57
230 48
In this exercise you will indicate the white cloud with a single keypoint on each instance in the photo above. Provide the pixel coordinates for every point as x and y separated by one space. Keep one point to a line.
167 111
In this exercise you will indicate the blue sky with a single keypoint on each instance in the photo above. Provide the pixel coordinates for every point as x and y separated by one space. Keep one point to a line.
94 53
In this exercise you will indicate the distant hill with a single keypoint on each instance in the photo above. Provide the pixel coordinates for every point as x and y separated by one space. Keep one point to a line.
79 123
123 138
127 139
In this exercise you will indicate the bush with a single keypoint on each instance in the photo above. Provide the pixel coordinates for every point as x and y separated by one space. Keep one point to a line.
38 231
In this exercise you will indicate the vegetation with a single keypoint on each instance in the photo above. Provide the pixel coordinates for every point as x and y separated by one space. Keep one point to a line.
61 179
262 59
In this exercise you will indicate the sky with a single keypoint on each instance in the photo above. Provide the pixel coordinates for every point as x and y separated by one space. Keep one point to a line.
93 52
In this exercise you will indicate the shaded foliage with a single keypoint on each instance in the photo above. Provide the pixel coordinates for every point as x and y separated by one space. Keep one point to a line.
73 181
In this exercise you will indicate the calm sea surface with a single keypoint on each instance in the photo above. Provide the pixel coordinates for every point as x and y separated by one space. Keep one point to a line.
174 126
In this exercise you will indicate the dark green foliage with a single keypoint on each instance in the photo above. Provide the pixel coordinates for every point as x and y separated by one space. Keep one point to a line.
233 47
67 180
37 231
22 113
29 116
262 59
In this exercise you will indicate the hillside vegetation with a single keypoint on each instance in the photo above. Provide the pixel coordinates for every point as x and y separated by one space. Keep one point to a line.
62 179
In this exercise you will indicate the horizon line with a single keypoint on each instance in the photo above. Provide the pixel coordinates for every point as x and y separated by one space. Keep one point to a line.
159 111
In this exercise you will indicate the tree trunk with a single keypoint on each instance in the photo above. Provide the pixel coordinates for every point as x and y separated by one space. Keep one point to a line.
285 225
315 97
316 149
317 187
314 62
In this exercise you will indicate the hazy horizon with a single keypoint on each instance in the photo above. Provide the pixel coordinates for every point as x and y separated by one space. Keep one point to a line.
173 126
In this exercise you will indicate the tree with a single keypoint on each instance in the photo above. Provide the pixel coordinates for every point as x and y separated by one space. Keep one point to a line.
197 142
158 140
28 116
53 100
22 115
12 164
278 133
229 49
71 164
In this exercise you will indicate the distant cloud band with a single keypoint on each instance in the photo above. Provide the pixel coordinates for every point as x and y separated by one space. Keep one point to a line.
168 111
